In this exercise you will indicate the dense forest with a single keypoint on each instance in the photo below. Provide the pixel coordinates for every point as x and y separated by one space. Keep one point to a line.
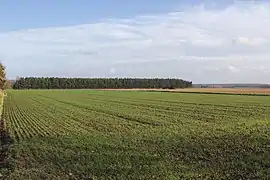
98 83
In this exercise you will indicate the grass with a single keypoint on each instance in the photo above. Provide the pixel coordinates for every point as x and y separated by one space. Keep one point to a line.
80 134
6 158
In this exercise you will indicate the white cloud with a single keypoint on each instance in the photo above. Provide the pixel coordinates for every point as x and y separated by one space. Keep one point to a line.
203 45
233 69
112 70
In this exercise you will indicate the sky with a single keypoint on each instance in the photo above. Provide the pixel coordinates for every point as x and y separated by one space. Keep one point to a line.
204 41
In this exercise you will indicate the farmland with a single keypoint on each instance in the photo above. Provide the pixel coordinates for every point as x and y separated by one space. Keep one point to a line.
237 91
80 134
251 91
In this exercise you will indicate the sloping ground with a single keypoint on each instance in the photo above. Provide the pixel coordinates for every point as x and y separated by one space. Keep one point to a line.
79 134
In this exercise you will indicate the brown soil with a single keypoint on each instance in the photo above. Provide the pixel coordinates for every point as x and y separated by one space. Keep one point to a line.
229 90
207 90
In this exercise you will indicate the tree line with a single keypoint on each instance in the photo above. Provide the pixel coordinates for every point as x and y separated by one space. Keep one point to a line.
98 83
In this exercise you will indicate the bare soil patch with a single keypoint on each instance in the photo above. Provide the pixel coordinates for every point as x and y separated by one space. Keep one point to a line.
207 90
229 90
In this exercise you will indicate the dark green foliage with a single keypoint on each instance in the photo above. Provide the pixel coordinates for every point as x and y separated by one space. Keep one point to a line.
98 83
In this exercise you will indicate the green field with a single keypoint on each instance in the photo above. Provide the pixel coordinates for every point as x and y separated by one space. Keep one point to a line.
80 134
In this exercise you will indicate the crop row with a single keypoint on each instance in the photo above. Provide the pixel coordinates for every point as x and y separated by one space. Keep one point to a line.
180 109
80 134
35 113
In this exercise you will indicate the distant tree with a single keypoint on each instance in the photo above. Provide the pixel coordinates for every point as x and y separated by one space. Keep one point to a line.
8 85
2 76
98 83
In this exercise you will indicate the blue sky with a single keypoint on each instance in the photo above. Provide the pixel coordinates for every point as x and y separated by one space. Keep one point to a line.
221 40
17 14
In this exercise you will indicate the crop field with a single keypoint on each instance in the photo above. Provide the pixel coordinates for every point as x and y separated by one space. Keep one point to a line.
83 134
238 91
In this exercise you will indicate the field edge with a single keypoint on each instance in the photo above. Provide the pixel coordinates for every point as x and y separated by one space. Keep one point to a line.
6 142
219 91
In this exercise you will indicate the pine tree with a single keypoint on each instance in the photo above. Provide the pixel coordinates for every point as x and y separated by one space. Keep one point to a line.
98 83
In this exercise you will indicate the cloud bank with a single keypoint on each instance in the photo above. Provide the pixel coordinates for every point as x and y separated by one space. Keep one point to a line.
195 43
